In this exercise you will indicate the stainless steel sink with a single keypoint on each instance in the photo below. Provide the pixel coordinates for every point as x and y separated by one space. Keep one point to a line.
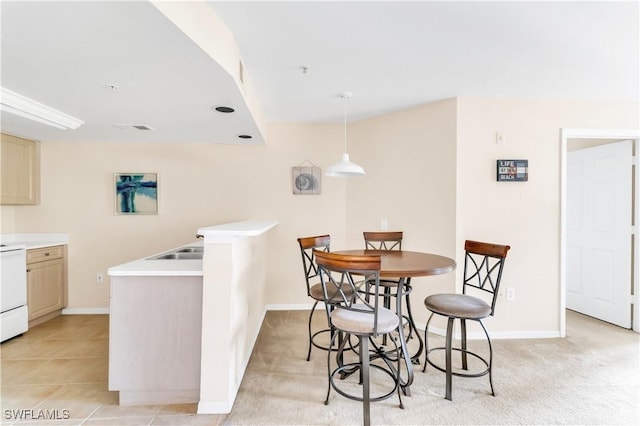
177 255
191 250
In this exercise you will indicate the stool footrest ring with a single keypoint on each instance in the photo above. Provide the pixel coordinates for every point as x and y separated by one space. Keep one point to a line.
319 346
458 373
349 370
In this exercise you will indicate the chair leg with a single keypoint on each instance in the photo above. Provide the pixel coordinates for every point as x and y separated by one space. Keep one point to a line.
412 324
364 361
310 318
387 297
426 343
463 342
449 367
387 304
399 358
333 337
490 358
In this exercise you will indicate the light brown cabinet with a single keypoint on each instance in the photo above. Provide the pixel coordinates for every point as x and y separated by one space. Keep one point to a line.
19 171
46 283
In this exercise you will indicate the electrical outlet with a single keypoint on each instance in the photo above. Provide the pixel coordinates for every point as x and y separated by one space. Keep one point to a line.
100 278
384 224
511 293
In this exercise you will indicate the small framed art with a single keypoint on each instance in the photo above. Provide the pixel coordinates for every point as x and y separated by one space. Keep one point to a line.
306 180
512 170
136 193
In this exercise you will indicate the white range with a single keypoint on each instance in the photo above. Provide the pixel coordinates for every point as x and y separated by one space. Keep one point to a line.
13 290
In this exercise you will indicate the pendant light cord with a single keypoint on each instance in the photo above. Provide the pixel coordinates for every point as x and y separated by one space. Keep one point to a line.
345 123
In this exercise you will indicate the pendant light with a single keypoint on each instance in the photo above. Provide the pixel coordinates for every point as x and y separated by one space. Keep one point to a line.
345 167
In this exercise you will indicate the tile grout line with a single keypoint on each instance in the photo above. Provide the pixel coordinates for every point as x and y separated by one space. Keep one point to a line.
91 414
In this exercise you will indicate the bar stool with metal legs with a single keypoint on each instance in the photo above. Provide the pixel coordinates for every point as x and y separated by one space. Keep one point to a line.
314 290
361 315
483 266
387 241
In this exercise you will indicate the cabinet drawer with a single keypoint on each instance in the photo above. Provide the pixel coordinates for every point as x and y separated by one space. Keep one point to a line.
46 253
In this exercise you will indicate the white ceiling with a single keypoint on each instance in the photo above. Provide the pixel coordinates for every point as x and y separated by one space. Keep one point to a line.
392 55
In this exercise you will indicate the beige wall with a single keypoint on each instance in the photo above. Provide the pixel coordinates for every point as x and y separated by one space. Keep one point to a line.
434 167
410 161
525 215
199 185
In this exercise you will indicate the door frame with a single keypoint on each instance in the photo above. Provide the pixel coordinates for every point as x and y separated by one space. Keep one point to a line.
565 135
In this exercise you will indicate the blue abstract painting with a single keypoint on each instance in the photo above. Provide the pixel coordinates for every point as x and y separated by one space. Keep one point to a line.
136 193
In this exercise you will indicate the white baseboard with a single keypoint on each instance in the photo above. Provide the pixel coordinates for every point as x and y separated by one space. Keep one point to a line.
210 407
297 307
495 335
85 311
524 334
531 334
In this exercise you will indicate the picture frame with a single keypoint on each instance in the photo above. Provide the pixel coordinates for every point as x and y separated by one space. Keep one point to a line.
512 170
306 180
136 193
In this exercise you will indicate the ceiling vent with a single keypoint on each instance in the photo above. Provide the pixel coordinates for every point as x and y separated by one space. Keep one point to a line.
134 126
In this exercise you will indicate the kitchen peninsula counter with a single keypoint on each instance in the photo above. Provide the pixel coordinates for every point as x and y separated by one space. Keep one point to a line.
233 307
155 321
169 319
193 267
160 267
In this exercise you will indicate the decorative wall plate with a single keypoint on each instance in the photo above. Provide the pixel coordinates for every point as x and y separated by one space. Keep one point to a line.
306 180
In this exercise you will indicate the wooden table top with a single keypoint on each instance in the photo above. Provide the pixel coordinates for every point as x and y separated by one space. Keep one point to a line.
396 264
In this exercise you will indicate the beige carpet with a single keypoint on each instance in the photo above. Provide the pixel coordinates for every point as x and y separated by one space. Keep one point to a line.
590 377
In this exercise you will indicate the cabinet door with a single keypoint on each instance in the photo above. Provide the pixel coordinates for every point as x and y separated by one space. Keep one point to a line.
19 169
45 287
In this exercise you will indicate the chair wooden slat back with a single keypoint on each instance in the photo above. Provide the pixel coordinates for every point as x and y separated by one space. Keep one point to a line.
343 275
307 246
483 264
383 240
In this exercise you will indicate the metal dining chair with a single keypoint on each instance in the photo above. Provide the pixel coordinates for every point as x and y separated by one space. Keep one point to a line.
483 264
382 240
390 241
314 290
387 241
361 316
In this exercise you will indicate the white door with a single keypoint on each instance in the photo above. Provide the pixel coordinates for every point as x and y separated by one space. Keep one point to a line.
599 212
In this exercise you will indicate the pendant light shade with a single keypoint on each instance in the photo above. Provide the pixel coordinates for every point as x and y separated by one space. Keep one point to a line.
345 167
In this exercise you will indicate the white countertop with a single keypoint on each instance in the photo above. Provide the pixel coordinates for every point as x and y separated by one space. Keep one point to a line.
160 267
35 240
191 267
235 229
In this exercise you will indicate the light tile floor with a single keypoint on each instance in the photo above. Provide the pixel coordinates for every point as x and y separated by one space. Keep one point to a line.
57 372
63 365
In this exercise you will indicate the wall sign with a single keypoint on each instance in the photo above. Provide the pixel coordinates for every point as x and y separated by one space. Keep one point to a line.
512 170
306 180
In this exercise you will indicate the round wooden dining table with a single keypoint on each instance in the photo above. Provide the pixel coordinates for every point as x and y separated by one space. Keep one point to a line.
397 264
404 265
